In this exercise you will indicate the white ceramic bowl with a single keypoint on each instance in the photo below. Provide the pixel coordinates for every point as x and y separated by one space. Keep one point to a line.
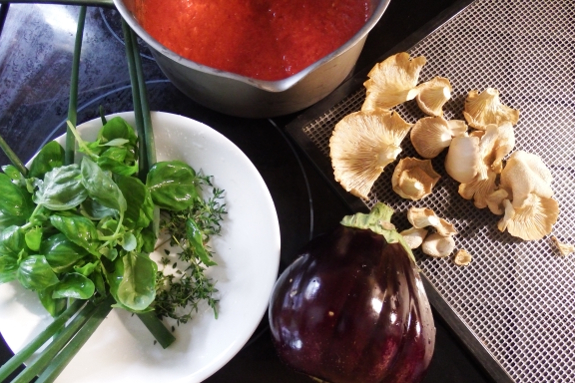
122 350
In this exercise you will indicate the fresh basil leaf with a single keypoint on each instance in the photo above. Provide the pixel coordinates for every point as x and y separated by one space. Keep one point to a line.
101 187
16 203
173 185
116 128
96 211
87 269
49 157
54 306
119 161
8 268
11 241
61 253
14 173
62 188
34 273
74 285
33 238
140 206
80 230
137 289
196 241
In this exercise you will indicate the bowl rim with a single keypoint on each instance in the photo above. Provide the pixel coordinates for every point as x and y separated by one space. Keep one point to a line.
271 86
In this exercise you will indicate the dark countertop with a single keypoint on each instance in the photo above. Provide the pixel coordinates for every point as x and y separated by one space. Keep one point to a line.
35 56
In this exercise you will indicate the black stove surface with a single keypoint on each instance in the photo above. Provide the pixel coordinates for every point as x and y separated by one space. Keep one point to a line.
36 47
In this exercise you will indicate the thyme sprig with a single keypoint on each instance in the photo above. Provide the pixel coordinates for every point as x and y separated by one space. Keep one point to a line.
181 289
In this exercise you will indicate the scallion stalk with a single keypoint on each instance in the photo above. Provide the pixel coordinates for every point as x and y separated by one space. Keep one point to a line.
21 356
73 102
71 349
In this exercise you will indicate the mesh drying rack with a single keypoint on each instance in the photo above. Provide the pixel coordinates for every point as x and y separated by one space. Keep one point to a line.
514 305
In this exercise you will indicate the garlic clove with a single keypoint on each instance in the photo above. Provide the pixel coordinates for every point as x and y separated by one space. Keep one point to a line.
485 108
432 95
463 158
414 236
392 82
413 178
439 246
362 144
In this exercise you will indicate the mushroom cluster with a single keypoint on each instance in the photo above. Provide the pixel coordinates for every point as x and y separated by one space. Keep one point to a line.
480 157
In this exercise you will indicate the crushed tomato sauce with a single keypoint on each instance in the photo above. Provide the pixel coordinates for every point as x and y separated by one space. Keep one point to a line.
263 39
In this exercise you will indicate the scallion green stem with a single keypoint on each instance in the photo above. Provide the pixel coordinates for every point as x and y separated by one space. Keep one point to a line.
143 157
67 354
21 356
13 157
73 102
157 328
56 345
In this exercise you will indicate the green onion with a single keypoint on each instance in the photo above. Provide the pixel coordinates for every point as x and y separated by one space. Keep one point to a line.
39 340
73 103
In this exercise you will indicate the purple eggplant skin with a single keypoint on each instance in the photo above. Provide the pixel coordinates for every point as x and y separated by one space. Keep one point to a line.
352 308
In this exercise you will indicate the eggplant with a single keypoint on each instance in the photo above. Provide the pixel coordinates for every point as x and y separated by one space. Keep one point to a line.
352 307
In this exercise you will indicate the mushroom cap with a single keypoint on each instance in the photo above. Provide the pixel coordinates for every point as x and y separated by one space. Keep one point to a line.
422 217
526 173
361 145
432 95
495 201
497 142
532 221
485 108
437 245
414 178
414 237
479 188
431 135
392 81
564 248
462 258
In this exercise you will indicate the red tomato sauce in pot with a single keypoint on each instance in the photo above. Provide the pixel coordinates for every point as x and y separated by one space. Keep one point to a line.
263 39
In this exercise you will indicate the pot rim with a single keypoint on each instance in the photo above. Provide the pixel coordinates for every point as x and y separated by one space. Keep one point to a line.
270 86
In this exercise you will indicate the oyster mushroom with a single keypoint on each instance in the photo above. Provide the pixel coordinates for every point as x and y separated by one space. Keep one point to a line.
424 217
533 220
432 95
564 248
494 145
413 178
431 135
462 258
361 145
392 82
414 236
436 245
524 174
485 108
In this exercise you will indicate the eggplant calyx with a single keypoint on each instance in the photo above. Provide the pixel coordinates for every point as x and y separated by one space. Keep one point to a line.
378 220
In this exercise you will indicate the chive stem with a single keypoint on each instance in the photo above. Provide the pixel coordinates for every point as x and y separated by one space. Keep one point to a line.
157 328
13 157
73 103
56 345
20 357
60 362
143 158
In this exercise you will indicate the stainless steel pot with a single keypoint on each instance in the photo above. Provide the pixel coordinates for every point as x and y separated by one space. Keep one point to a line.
242 96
